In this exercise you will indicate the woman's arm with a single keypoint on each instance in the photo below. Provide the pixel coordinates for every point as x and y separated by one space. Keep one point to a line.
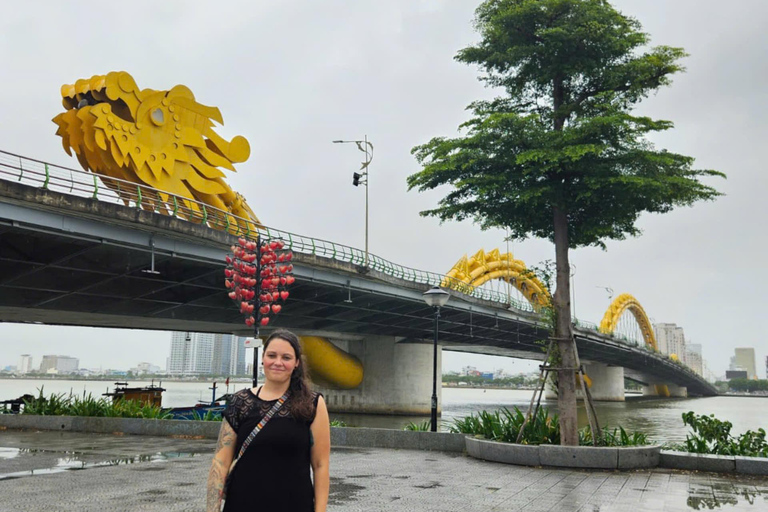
222 459
321 454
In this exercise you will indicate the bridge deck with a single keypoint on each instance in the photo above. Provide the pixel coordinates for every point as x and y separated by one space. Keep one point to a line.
77 261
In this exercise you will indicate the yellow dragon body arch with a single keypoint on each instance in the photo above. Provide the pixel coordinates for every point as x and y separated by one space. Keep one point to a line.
469 273
617 308
163 140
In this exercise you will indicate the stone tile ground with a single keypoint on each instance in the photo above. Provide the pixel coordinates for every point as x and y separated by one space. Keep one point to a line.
62 471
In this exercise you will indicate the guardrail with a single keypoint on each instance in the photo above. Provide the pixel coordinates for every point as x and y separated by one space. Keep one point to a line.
37 173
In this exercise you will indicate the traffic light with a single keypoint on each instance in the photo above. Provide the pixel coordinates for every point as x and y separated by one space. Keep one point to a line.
356 178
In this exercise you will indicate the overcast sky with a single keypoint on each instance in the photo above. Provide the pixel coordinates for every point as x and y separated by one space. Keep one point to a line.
293 75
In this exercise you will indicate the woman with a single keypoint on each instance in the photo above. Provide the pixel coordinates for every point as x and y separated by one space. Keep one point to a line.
274 471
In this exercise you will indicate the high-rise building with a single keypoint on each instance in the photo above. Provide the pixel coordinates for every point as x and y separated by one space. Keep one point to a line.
744 357
144 368
228 355
191 353
694 359
671 340
59 364
25 366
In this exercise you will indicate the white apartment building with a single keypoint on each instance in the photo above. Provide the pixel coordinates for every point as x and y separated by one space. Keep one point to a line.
694 359
25 366
59 364
671 340
191 353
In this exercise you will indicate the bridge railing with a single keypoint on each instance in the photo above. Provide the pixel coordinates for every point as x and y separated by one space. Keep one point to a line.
40 174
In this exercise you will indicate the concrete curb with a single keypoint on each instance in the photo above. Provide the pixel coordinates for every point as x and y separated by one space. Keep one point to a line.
134 426
340 436
586 457
714 463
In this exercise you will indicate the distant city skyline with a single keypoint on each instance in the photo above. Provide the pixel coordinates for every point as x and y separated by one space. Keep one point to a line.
125 358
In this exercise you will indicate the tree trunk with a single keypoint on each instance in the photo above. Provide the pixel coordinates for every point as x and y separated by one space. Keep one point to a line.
566 382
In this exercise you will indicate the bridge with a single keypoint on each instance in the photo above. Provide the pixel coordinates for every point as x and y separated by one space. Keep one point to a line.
72 253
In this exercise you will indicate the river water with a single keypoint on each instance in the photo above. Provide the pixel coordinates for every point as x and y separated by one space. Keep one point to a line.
659 418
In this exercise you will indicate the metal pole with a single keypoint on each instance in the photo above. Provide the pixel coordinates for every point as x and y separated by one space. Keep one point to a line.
367 179
434 373
258 301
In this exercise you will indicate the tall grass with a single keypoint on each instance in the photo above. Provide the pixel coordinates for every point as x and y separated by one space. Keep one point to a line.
74 405
504 425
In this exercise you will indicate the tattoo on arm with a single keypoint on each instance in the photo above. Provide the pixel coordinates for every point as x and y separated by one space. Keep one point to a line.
219 467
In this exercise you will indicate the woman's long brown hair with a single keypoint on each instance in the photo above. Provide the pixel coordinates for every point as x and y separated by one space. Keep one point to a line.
301 403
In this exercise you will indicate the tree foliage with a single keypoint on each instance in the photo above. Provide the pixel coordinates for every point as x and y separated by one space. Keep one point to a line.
562 134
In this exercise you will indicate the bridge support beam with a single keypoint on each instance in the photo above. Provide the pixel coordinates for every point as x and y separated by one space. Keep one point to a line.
397 378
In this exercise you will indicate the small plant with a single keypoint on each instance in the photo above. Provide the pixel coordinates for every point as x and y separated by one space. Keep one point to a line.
208 416
613 438
424 426
338 423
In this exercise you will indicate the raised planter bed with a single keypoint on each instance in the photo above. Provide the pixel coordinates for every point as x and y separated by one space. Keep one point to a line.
587 457
714 463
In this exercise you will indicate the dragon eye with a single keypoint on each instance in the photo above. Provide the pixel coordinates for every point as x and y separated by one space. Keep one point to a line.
157 116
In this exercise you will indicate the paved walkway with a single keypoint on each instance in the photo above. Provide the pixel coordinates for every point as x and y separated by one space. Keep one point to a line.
63 471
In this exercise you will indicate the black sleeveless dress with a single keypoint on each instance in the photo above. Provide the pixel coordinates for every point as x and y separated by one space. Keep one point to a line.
274 472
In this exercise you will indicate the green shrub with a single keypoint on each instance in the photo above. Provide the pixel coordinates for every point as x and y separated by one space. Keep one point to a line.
504 425
713 436
73 405
338 423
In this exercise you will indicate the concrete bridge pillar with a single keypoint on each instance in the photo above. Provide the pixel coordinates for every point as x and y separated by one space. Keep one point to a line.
665 390
607 383
397 378
677 391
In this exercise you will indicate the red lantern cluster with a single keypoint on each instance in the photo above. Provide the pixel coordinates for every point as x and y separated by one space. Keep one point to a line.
258 276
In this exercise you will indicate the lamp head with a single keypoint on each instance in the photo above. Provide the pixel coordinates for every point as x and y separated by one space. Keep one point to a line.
436 297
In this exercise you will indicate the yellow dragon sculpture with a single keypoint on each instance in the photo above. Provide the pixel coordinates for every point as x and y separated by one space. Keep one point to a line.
159 139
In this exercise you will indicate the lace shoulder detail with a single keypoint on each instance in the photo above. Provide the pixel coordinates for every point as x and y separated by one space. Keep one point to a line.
238 408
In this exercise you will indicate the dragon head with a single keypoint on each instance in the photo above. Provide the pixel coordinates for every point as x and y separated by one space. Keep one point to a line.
160 139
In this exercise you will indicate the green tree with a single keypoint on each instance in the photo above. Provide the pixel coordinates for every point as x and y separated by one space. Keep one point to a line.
558 154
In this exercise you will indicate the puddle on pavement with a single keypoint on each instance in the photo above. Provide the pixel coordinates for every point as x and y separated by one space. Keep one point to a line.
724 495
71 462
9 453
342 491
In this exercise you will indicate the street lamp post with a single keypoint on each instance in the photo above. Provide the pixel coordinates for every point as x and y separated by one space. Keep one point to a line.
436 298
362 178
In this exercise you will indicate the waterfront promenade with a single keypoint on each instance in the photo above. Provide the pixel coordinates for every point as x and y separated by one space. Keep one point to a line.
62 471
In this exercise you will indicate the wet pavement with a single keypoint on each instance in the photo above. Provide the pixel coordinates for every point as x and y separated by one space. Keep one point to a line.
63 471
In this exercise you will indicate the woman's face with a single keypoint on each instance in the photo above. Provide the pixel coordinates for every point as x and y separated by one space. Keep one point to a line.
279 360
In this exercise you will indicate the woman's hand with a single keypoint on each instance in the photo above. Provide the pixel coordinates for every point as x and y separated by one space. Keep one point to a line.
222 460
320 455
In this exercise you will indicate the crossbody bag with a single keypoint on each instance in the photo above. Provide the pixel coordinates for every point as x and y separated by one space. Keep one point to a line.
247 442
